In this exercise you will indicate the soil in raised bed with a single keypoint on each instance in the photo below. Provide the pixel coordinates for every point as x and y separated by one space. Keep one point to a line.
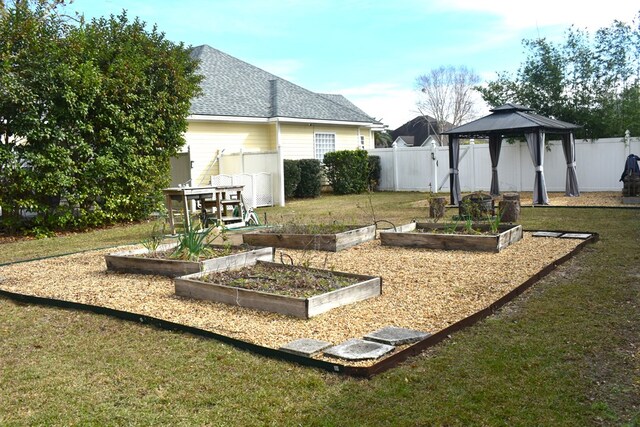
294 281
212 252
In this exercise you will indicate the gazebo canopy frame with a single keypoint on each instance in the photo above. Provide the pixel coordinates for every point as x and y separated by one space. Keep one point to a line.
511 120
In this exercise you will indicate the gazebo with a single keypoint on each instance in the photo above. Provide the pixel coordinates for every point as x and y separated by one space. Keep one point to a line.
511 120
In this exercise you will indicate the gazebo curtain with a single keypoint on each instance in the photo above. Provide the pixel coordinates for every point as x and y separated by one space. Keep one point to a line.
569 148
454 178
535 142
495 143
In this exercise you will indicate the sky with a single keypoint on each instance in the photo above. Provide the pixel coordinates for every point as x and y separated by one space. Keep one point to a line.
369 51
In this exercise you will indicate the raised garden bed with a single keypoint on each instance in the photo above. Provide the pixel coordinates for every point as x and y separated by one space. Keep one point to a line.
143 261
435 236
285 289
333 239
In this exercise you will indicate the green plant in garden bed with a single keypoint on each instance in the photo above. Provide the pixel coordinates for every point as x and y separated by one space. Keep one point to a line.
192 245
494 222
155 238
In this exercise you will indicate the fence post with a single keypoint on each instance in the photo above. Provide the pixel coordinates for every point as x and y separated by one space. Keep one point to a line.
395 167
627 142
434 167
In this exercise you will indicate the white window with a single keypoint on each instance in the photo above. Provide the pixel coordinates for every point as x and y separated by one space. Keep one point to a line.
324 143
362 142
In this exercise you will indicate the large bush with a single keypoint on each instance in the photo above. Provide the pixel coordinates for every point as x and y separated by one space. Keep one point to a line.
310 178
291 177
90 116
347 171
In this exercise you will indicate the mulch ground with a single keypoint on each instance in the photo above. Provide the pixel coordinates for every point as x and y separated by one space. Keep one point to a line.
423 289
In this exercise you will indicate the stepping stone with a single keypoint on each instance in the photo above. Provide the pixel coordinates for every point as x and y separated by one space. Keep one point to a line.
546 234
582 236
305 346
357 349
392 335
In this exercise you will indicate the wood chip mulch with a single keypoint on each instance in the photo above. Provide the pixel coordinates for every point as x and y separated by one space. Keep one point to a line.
426 290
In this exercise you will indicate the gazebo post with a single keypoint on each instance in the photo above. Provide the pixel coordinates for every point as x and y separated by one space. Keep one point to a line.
569 149
454 178
495 144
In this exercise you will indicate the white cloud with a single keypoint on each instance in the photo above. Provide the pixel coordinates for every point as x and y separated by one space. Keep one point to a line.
392 104
542 13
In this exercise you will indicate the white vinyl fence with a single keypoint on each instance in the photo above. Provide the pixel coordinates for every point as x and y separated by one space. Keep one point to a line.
599 166
259 172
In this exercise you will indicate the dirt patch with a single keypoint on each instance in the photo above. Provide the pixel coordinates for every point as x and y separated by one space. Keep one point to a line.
423 289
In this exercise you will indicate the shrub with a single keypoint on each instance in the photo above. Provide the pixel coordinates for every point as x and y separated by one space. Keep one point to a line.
291 177
375 170
102 107
347 171
310 178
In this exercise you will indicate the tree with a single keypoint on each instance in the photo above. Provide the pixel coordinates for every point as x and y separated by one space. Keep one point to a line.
448 95
590 81
383 139
90 115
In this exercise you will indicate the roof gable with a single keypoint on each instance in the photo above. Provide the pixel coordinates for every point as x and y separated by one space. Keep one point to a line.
232 87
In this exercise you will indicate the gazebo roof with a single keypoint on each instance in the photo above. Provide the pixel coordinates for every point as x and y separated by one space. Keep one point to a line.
511 119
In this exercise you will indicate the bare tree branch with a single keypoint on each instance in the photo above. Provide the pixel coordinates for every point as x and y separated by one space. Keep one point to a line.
447 95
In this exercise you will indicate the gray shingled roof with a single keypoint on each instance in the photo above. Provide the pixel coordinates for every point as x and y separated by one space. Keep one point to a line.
232 87
511 119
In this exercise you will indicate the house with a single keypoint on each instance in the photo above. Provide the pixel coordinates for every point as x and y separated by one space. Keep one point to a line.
409 141
419 132
243 108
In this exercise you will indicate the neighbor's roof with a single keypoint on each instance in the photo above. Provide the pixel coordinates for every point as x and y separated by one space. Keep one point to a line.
234 88
420 127
511 119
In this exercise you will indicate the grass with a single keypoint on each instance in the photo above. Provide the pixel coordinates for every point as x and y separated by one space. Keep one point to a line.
565 353
75 242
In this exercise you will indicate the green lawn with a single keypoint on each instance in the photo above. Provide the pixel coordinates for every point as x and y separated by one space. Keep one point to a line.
564 353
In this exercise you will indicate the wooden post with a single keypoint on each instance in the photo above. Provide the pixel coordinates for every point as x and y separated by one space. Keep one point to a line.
168 202
437 207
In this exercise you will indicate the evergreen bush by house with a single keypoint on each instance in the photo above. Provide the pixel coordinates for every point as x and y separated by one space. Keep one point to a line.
347 171
291 177
310 178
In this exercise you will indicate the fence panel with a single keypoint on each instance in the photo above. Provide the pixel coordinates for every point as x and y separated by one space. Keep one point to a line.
258 171
257 189
599 166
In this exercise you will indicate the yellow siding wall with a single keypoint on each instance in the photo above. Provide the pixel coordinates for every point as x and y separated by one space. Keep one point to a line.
297 139
206 139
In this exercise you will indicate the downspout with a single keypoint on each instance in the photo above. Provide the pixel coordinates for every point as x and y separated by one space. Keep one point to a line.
273 86
280 163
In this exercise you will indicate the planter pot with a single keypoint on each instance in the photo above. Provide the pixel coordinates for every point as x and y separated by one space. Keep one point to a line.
133 262
191 286
476 205
433 236
319 242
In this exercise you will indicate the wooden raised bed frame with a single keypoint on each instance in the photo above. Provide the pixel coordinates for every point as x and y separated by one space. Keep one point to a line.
128 262
406 236
319 242
368 287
